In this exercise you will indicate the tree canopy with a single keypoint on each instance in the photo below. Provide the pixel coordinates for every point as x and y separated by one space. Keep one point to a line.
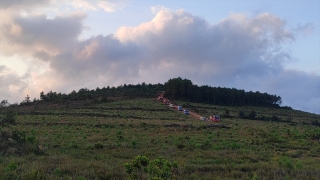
175 89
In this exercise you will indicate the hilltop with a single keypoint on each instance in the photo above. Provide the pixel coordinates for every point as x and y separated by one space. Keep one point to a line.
92 134
176 88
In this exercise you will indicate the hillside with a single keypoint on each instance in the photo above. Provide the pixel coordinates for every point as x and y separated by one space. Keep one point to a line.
94 138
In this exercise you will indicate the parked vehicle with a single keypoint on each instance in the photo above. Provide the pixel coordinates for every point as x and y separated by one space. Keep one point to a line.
186 112
215 118
180 108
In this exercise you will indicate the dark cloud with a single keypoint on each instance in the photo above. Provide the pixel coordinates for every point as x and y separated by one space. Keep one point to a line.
38 33
99 55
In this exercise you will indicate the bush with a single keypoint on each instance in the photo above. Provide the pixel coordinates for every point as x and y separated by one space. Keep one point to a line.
241 114
315 122
119 135
19 136
227 113
142 168
161 168
31 139
11 167
137 167
314 134
275 118
197 145
9 118
235 145
98 145
35 174
252 115
81 178
286 162
180 146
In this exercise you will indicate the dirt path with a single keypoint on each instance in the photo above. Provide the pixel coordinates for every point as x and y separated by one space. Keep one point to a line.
197 116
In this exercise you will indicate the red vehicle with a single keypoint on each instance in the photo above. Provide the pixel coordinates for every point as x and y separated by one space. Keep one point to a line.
215 118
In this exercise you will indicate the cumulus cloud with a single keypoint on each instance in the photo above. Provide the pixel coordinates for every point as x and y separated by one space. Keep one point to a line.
239 51
38 33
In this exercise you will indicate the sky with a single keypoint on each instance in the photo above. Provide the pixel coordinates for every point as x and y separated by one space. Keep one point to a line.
65 45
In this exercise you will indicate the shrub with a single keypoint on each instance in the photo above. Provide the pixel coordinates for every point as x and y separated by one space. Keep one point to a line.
144 125
57 172
241 114
134 144
31 139
275 118
19 136
161 168
235 145
9 118
252 115
180 146
314 134
275 138
119 135
197 145
286 162
315 122
141 168
227 113
298 165
98 145
11 167
35 174
137 167
81 178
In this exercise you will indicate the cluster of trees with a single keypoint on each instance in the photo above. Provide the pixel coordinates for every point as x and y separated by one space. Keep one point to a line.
102 94
176 89
184 89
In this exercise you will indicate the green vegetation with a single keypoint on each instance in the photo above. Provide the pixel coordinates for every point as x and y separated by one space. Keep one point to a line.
142 168
175 89
127 137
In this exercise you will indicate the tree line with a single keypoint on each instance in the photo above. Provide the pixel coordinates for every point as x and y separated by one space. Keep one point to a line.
175 89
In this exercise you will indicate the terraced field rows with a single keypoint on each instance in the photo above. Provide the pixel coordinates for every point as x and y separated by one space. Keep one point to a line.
94 142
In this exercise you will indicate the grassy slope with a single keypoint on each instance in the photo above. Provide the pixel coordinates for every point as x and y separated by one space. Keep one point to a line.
126 128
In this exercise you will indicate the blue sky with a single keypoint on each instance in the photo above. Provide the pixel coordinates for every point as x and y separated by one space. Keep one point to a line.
266 46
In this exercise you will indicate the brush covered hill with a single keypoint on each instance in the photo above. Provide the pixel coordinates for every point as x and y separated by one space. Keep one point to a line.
95 134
